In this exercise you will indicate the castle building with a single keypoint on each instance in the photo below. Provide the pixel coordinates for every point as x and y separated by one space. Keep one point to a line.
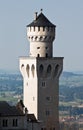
41 71
12 118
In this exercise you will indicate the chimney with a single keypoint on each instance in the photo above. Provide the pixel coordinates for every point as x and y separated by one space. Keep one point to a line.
35 16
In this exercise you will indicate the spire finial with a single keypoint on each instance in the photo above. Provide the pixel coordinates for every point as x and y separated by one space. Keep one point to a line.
41 10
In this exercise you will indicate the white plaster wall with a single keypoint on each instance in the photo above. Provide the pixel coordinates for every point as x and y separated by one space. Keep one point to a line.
30 91
42 39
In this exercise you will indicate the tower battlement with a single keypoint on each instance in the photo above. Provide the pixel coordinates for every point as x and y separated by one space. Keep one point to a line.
41 34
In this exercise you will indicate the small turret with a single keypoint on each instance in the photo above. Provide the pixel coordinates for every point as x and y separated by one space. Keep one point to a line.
41 34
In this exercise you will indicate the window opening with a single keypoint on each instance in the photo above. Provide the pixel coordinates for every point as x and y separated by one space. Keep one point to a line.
38 55
43 84
49 69
27 69
41 68
48 98
46 55
34 28
56 70
47 112
38 28
5 123
38 47
33 70
43 28
15 122
46 48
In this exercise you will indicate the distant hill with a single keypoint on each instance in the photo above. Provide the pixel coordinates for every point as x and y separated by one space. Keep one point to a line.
2 71
64 73
70 74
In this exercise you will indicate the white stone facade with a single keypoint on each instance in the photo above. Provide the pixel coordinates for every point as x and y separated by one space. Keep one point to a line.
41 40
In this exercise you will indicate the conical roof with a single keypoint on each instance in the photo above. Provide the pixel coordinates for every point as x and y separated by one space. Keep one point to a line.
41 21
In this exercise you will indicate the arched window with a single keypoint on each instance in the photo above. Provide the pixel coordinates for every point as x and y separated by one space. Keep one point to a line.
27 69
41 68
22 66
38 55
23 69
56 70
36 38
41 37
33 70
49 70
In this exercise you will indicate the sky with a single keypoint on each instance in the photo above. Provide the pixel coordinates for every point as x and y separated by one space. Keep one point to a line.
67 15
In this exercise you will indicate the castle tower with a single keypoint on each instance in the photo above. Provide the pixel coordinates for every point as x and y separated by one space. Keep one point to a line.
41 71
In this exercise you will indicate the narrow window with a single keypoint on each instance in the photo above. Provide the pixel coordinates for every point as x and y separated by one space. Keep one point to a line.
41 38
15 122
46 55
43 28
22 66
28 37
41 68
34 29
27 69
47 112
38 28
43 84
5 123
49 69
32 38
45 37
33 70
36 38
38 55
56 70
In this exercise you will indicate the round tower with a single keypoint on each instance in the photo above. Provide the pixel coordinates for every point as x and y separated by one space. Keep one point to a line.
41 34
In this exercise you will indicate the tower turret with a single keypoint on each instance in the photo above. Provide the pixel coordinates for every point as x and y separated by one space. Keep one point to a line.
41 34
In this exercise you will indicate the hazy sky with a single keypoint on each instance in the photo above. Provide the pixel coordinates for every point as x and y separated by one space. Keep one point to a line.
66 14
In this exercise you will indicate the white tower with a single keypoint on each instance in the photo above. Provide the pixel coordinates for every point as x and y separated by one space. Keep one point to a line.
41 73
